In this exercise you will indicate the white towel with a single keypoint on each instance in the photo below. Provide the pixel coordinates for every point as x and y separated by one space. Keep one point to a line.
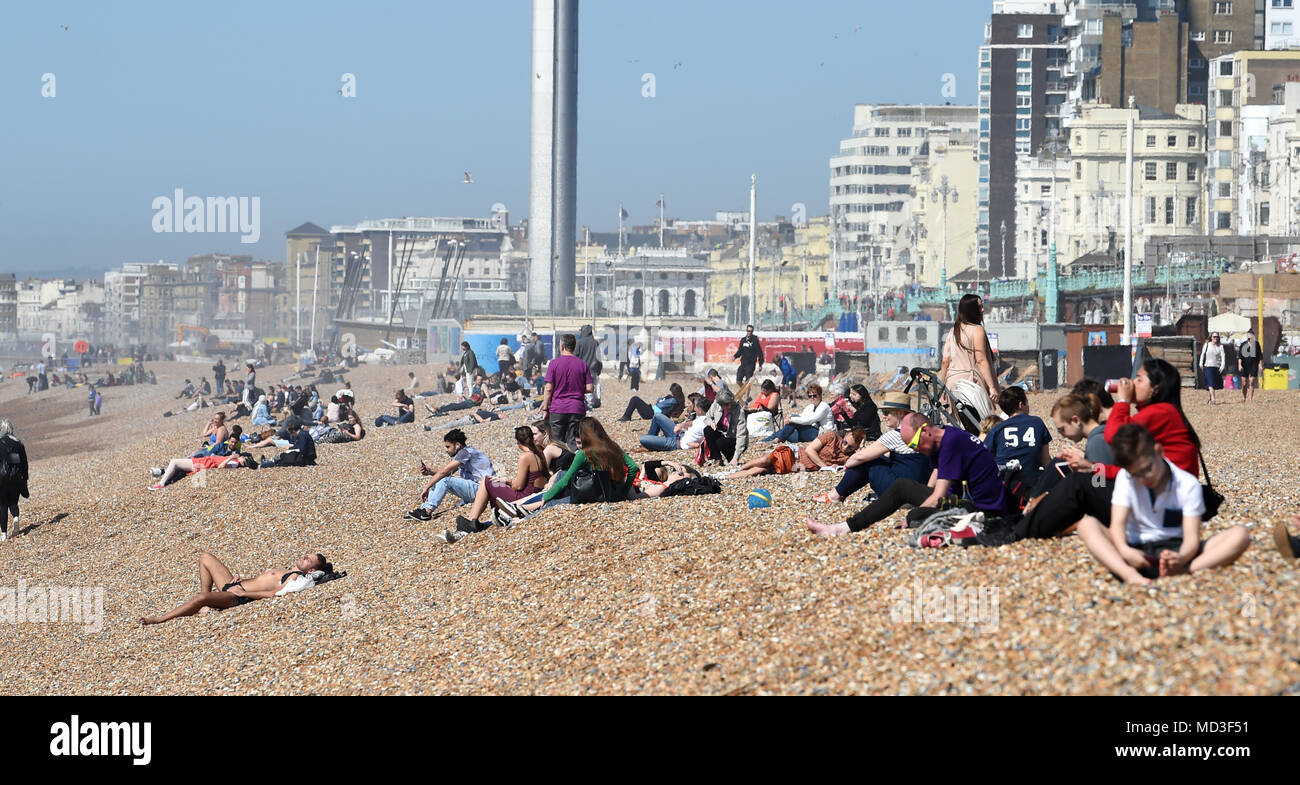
300 582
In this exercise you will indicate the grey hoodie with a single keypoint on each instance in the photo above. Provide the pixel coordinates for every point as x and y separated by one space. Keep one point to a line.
588 350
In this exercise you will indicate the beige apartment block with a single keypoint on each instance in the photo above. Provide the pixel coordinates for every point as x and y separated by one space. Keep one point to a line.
948 170
1168 178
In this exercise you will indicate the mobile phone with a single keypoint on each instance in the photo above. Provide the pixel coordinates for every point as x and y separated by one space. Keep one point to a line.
1061 467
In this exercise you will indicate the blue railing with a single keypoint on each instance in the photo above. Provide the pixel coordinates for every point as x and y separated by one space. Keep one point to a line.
1080 282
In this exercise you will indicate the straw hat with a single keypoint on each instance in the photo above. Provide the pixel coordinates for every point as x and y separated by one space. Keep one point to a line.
897 400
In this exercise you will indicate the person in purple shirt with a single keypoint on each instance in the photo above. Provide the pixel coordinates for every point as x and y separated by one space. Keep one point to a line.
568 380
958 457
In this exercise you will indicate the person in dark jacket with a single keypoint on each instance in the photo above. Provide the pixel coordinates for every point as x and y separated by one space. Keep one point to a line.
588 350
13 478
750 355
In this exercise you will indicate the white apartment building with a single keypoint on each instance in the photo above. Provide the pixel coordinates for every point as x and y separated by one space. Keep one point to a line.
1168 178
1281 24
870 197
1042 185
944 246
122 301
59 306
1279 181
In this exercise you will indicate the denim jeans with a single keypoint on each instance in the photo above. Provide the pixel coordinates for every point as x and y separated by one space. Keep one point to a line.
465 489
797 433
661 437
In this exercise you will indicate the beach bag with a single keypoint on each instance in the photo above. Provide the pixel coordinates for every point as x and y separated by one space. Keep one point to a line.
973 399
693 486
760 424
589 486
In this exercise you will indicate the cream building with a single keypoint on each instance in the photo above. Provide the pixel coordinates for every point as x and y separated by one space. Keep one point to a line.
947 170
1279 182
1039 215
1168 178
800 273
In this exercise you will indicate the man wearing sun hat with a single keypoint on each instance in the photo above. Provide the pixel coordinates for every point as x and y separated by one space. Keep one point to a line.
885 460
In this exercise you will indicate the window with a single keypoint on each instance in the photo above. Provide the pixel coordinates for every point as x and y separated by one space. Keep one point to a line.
1171 171
1263 213
1225 128
882 131
905 132
1225 68
1198 35
920 333
1151 209
1024 31
1172 140
1263 178
1223 9
1196 63
900 334
1022 123
1151 140
903 151
1223 220
883 335
1281 28
1196 91
1103 140
1150 171
1092 27
1222 36
1169 210
1224 158
1225 190
1044 190
1192 215
1281 3
1191 141
1078 170
1225 98
1191 172
1024 101
1024 55
1022 146
1024 77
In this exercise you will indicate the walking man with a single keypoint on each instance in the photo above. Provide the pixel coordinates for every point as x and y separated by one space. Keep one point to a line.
1248 355
750 355
568 381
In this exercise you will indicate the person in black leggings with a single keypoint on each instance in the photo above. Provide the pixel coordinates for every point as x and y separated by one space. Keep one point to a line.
646 411
13 478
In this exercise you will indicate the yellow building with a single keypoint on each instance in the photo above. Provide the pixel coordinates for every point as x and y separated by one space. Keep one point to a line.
798 273
948 169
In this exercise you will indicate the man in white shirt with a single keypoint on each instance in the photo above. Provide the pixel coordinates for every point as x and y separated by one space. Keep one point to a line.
1155 520
1213 359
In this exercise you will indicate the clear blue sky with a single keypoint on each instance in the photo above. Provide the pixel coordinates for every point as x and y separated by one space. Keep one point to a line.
241 99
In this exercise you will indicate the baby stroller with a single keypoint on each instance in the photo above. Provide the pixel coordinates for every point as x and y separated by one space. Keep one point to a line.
931 395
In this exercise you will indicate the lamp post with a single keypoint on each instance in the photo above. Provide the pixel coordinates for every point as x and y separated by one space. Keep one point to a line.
1052 148
1004 246
944 192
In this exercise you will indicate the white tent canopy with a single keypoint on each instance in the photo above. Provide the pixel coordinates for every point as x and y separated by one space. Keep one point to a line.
1230 325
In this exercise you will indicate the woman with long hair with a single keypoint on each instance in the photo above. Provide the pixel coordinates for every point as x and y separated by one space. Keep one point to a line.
857 410
530 477
1156 392
602 455
647 411
967 369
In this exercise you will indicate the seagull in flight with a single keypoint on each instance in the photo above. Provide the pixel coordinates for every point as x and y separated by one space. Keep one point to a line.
469 180
676 66
65 27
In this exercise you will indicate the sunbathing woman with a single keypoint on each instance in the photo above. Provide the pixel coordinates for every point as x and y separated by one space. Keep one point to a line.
179 467
237 591
829 449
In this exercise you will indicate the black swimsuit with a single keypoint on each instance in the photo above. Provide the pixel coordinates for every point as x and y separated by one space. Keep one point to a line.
242 598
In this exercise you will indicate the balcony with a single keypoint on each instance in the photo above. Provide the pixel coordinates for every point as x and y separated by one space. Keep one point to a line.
1056 86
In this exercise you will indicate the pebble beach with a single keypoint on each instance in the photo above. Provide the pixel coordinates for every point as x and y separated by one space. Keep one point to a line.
696 595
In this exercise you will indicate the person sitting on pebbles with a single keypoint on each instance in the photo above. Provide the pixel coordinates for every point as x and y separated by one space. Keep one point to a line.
829 449
236 591
1155 519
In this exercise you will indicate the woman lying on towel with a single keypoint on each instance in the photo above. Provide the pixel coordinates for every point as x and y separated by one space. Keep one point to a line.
306 571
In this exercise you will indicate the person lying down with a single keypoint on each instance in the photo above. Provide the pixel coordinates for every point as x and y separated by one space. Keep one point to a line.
307 571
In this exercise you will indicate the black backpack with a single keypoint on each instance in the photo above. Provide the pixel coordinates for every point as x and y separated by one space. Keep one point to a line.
693 486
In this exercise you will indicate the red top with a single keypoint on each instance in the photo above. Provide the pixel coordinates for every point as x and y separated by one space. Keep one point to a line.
1165 423
212 462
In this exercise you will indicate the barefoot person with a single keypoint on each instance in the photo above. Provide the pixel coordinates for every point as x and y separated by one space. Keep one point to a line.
178 467
1155 518
237 591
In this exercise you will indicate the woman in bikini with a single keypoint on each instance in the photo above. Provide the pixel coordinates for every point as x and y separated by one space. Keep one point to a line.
237 591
